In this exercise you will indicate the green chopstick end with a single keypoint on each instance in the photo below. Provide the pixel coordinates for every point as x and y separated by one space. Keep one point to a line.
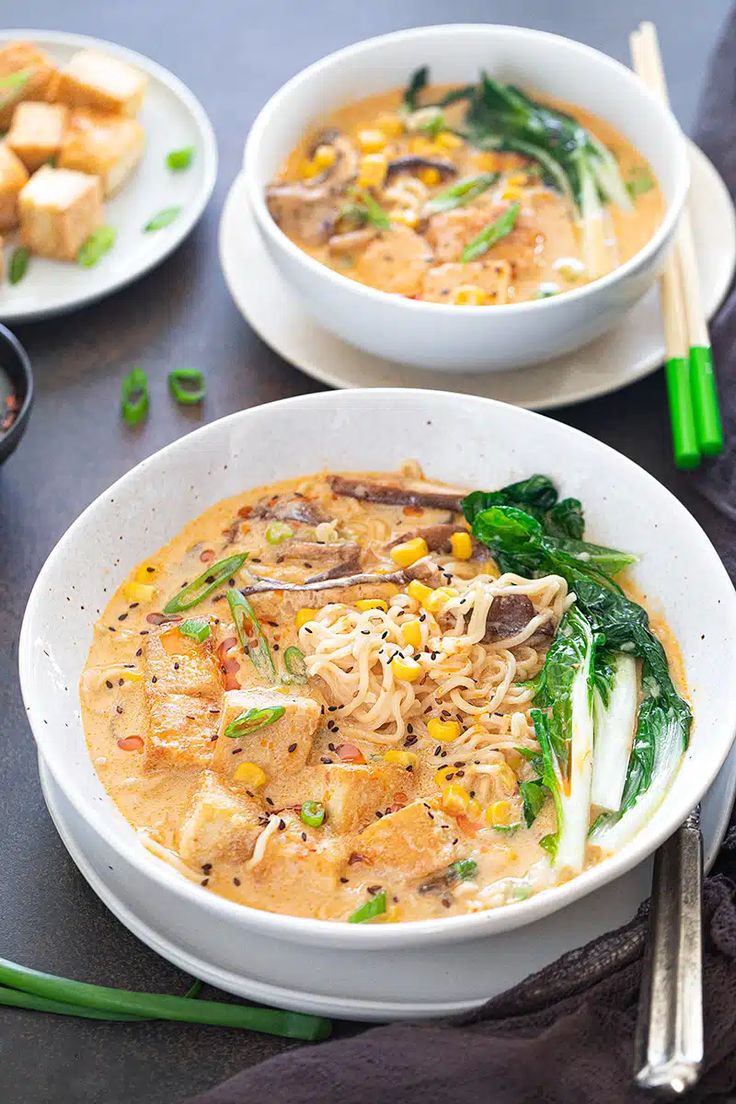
706 407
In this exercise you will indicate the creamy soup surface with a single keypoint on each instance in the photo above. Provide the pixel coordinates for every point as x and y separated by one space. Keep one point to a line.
403 202
366 758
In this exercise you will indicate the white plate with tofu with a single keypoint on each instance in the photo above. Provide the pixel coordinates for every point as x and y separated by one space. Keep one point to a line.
83 167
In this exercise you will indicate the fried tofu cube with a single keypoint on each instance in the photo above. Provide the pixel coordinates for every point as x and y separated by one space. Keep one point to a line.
13 177
279 748
177 664
219 826
182 730
93 79
35 72
58 211
108 146
415 841
292 864
353 794
36 133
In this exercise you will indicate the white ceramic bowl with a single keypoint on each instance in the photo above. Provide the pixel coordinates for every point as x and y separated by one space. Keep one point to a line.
461 339
462 439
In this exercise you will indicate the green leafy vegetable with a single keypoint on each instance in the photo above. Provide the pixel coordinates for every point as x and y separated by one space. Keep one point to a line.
417 83
201 587
18 264
366 209
134 398
465 191
312 813
180 159
372 908
491 234
187 385
432 124
533 795
639 182
252 720
162 219
197 628
250 634
97 244
462 870
615 703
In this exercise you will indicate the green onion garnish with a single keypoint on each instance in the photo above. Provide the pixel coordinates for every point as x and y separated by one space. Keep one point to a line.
179 159
11 84
312 813
465 191
197 628
639 183
366 209
295 665
462 869
252 720
376 906
95 247
433 124
250 634
196 591
187 385
492 233
162 219
134 396
18 264
278 531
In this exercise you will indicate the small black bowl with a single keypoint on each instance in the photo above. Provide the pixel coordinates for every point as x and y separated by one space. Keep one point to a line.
16 368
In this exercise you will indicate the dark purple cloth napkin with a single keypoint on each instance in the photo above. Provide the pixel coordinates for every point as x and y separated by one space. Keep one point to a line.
565 1034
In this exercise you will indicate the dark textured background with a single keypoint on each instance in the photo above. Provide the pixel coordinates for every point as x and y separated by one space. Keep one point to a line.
233 54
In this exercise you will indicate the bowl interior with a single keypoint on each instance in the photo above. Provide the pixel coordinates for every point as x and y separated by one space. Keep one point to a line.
16 381
461 439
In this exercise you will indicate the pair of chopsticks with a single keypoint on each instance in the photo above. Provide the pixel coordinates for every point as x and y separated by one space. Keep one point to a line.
691 383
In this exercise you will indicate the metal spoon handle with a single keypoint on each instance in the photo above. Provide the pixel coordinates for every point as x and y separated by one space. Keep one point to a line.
669 1034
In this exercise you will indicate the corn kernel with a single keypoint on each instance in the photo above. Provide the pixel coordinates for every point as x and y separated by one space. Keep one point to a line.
371 603
145 573
474 810
138 592
371 141
304 615
442 732
250 774
324 156
511 192
461 545
507 778
405 217
418 591
309 169
392 125
408 670
422 147
517 179
499 813
429 176
439 597
449 141
443 775
130 676
411 633
455 799
469 295
409 552
488 162
401 758
372 170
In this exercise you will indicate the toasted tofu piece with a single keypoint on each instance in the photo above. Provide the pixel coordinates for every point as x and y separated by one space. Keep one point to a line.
311 866
36 132
219 826
415 841
13 177
36 69
58 211
353 793
177 664
94 79
108 146
280 748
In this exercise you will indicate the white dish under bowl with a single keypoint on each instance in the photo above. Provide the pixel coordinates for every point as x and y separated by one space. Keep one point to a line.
463 439
467 339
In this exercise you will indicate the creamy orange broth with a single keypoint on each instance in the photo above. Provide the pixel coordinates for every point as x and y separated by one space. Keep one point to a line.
420 255
158 753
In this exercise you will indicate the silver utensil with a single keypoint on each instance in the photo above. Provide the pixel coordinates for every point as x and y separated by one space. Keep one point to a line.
668 1045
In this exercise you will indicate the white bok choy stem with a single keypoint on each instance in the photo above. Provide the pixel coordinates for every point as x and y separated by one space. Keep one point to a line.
615 704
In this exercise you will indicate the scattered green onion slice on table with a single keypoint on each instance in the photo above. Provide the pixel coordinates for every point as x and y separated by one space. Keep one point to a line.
95 246
197 628
162 219
134 396
312 813
278 531
375 906
187 385
295 665
492 233
179 159
18 264
252 720
199 589
250 634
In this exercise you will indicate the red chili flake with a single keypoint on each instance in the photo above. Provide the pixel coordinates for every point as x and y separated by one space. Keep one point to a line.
395 808
131 743
350 753
467 825
207 556
245 511
413 511
401 797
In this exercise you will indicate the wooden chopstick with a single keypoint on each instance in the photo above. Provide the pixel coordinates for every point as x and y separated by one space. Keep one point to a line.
695 407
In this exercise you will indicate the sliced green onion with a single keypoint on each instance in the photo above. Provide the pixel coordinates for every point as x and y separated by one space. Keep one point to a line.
16 998
376 906
97 244
162 219
312 813
197 628
492 233
465 191
252 720
462 869
11 84
295 665
367 209
433 124
187 385
18 264
639 183
134 396
196 591
278 531
250 634
179 159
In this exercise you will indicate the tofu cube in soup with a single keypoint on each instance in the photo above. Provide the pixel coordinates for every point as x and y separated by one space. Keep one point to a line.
291 864
93 79
58 211
105 145
36 133
13 177
414 842
35 71
280 747
353 794
219 826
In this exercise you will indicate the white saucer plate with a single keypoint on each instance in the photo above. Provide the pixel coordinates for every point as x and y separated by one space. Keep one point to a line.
173 119
622 356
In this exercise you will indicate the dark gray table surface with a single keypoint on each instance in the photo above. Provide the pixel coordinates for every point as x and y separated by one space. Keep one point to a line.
233 54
